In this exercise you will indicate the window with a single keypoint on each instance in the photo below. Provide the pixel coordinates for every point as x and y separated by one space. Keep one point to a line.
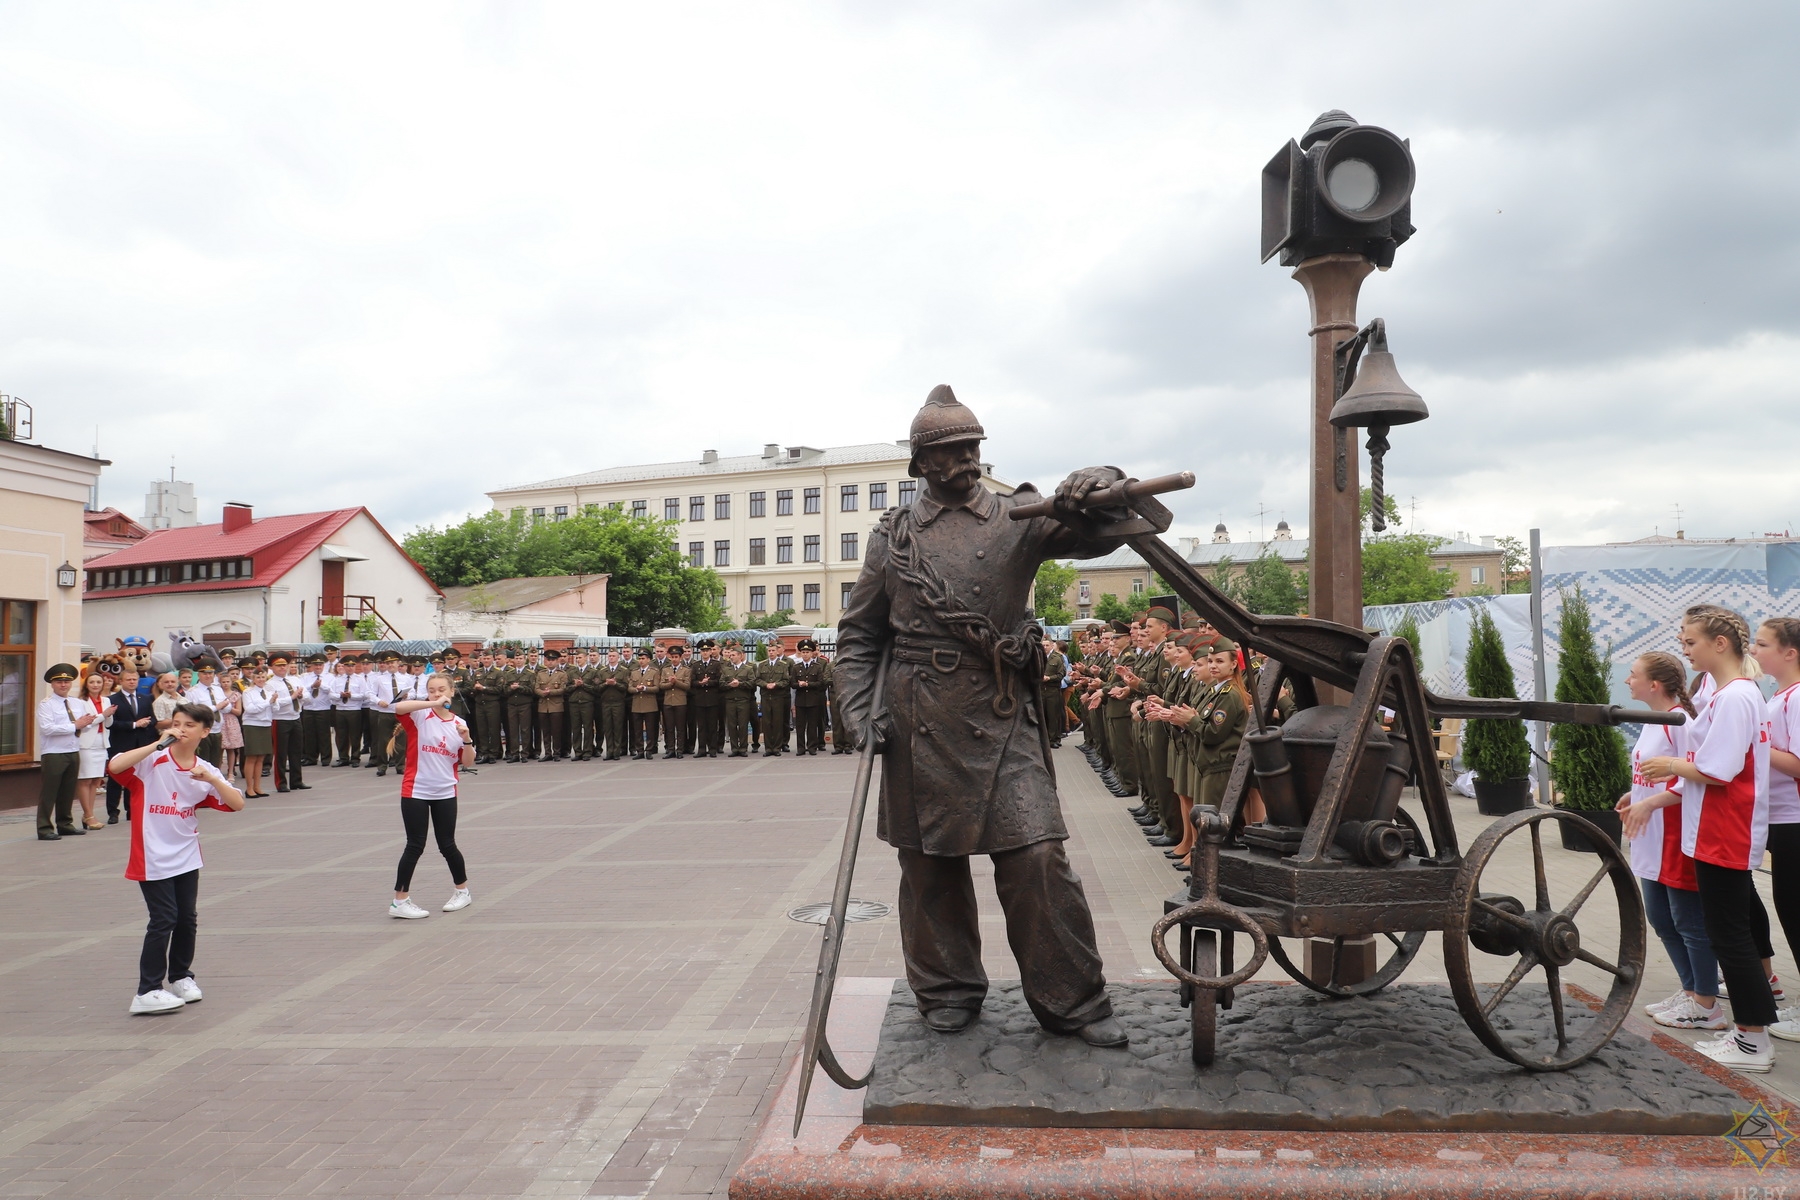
187 572
672 508
562 512
759 551
722 507
640 508
537 514
848 495
1478 575
759 599
909 490
721 554
1137 587
810 550
784 549
877 497
1084 592
811 597
844 590
18 678
811 498
847 547
784 597
784 502
696 554
696 508
759 504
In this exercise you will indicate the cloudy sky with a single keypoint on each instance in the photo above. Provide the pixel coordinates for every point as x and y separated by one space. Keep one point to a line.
398 255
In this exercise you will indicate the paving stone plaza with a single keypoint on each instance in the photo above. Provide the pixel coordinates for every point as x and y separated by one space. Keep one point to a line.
610 1018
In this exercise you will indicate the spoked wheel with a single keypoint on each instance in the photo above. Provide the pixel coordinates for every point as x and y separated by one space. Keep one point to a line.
1542 935
1203 1011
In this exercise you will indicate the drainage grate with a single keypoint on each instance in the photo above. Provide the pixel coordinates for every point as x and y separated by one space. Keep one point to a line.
818 912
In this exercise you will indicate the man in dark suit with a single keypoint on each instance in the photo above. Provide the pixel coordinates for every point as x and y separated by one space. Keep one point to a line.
132 726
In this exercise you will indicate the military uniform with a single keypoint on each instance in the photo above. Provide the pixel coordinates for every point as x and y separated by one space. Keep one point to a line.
1117 714
551 683
812 685
1051 694
677 680
840 740
485 691
611 681
518 685
706 676
645 682
774 683
738 683
581 709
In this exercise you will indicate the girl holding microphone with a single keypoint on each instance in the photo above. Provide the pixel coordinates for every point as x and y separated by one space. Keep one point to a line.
437 745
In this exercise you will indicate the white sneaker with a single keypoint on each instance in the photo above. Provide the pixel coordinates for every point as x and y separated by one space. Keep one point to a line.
186 990
1656 1006
1774 989
157 1001
1787 1029
460 898
1689 1015
1731 1053
406 909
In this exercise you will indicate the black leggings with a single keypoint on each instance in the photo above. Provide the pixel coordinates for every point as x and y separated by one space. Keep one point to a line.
441 815
1728 898
1784 878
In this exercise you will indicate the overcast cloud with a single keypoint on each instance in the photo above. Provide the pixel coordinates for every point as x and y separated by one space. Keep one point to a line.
399 255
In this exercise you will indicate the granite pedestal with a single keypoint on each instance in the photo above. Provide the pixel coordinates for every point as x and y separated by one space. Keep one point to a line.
1303 1140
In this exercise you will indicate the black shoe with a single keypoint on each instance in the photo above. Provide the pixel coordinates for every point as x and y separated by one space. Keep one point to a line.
769 754
1164 840
280 788
950 1020
470 771
1181 866
303 787
1142 810
49 837
71 831
1154 831
112 819
355 763
379 772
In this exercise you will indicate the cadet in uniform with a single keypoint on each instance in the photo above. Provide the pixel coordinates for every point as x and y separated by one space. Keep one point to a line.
709 700
738 682
677 678
486 700
552 687
645 682
347 692
614 683
1050 694
516 685
811 685
581 706
774 679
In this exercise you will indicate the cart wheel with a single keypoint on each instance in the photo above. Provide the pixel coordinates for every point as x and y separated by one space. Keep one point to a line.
1540 934
1402 948
1204 1014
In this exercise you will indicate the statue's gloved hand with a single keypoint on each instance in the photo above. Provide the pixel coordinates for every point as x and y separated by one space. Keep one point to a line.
1071 492
882 728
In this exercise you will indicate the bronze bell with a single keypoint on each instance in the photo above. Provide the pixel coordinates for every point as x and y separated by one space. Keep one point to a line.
1379 398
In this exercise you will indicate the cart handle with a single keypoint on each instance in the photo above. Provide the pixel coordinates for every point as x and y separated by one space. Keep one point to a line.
1209 907
1122 492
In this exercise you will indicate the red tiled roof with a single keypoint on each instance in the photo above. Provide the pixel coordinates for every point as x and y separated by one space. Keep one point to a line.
99 528
275 545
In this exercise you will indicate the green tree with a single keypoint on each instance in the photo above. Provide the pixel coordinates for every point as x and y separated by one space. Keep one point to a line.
367 630
1053 582
1408 629
331 629
1228 581
1110 608
1398 570
651 584
1366 505
774 620
1590 765
1515 565
1267 586
1495 748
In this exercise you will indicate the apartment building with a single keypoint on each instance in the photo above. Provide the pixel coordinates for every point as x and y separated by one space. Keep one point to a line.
784 529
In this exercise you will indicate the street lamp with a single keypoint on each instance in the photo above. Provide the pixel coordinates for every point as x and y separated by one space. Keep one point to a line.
65 574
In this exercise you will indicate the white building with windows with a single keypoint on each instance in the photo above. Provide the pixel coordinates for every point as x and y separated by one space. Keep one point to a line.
784 529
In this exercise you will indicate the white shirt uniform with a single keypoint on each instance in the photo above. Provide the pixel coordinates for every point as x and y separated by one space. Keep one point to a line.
381 692
412 687
56 725
349 692
284 697
256 708
315 692
208 695
165 836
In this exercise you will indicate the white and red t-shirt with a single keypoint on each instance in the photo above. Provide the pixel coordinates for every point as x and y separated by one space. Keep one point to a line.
1784 734
1656 853
165 833
1728 824
434 745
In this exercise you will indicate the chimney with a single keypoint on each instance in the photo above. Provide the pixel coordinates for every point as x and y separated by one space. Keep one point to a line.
237 516
708 457
771 449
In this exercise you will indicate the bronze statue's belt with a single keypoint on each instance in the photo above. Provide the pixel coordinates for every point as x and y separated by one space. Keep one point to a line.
945 654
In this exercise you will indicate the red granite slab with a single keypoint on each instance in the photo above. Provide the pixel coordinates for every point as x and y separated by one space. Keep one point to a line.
838 1156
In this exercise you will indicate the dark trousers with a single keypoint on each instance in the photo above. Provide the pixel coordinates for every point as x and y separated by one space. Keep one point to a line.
169 937
581 725
612 728
738 711
809 727
56 792
315 733
211 748
1048 926
1784 876
290 752
440 815
709 727
550 732
349 728
775 719
381 732
1124 751
1731 904
675 727
643 731
518 730
487 727
1050 701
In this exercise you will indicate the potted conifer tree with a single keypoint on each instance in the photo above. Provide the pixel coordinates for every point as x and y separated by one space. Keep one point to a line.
1495 749
1589 764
